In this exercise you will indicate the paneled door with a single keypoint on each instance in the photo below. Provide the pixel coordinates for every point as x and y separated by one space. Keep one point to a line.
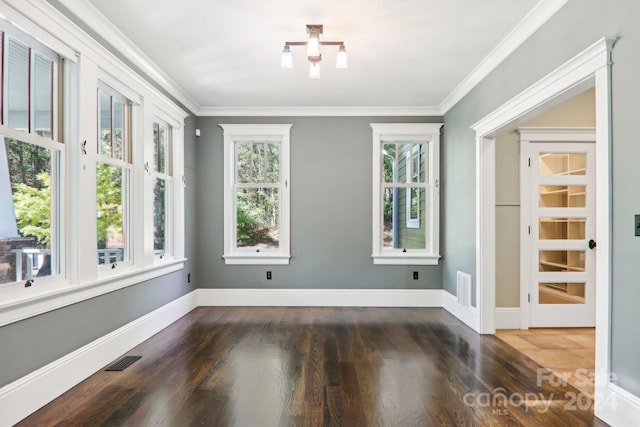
560 230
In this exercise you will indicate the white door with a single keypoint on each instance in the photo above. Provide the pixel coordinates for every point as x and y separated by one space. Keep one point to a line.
560 233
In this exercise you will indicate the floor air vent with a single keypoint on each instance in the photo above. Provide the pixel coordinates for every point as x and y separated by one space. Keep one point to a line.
123 363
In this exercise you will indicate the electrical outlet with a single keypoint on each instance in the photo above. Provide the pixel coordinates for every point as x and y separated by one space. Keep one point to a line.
268 275
415 275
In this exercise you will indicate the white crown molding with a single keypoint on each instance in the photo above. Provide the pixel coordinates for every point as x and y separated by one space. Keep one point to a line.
316 111
540 14
92 17
95 20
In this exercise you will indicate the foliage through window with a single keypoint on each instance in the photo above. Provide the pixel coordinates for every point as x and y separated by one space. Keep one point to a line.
256 194
406 193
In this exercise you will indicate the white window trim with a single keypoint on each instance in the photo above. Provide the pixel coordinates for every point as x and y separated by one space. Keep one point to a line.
90 62
430 134
256 132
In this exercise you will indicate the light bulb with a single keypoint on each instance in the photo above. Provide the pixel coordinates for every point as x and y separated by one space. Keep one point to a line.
341 61
313 45
287 58
314 71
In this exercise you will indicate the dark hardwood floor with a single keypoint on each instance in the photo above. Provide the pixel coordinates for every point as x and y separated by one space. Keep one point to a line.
258 367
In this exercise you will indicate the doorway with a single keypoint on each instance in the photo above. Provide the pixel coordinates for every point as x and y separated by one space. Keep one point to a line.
589 68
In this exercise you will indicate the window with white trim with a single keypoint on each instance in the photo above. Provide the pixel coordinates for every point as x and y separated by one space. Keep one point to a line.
256 194
76 201
31 160
406 193
162 175
113 177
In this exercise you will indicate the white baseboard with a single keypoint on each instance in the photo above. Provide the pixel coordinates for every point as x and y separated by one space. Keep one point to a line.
29 393
618 407
321 297
467 315
507 318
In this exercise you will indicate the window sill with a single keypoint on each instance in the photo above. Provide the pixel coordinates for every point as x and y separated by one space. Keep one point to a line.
28 302
405 259
252 259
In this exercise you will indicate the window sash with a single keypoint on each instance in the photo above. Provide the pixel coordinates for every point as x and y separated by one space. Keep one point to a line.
113 150
36 81
28 101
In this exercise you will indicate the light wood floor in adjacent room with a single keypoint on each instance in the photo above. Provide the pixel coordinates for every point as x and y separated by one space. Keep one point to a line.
569 353
261 367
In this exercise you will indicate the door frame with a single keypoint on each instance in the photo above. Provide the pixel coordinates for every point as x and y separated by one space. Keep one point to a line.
590 68
537 136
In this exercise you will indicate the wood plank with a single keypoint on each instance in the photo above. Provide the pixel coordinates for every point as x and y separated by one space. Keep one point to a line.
280 366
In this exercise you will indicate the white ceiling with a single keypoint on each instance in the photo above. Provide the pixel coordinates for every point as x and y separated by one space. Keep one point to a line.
403 54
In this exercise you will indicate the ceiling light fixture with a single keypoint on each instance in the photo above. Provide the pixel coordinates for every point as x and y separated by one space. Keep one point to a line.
313 52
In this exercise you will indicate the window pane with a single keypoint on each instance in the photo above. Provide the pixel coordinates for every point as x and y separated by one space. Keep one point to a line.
404 162
257 218
403 218
258 162
563 163
562 228
18 86
43 96
561 261
161 148
562 196
159 216
26 232
561 293
389 162
104 129
119 131
110 187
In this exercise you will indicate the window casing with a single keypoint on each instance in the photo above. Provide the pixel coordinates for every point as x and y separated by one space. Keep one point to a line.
406 193
256 194
31 161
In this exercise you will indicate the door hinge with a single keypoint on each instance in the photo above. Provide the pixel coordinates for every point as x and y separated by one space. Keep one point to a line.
528 297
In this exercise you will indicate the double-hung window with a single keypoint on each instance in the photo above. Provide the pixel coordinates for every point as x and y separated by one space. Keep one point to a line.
113 177
162 174
406 193
256 194
31 160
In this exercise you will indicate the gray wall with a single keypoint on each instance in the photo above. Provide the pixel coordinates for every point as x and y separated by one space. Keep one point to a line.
331 224
575 27
32 343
